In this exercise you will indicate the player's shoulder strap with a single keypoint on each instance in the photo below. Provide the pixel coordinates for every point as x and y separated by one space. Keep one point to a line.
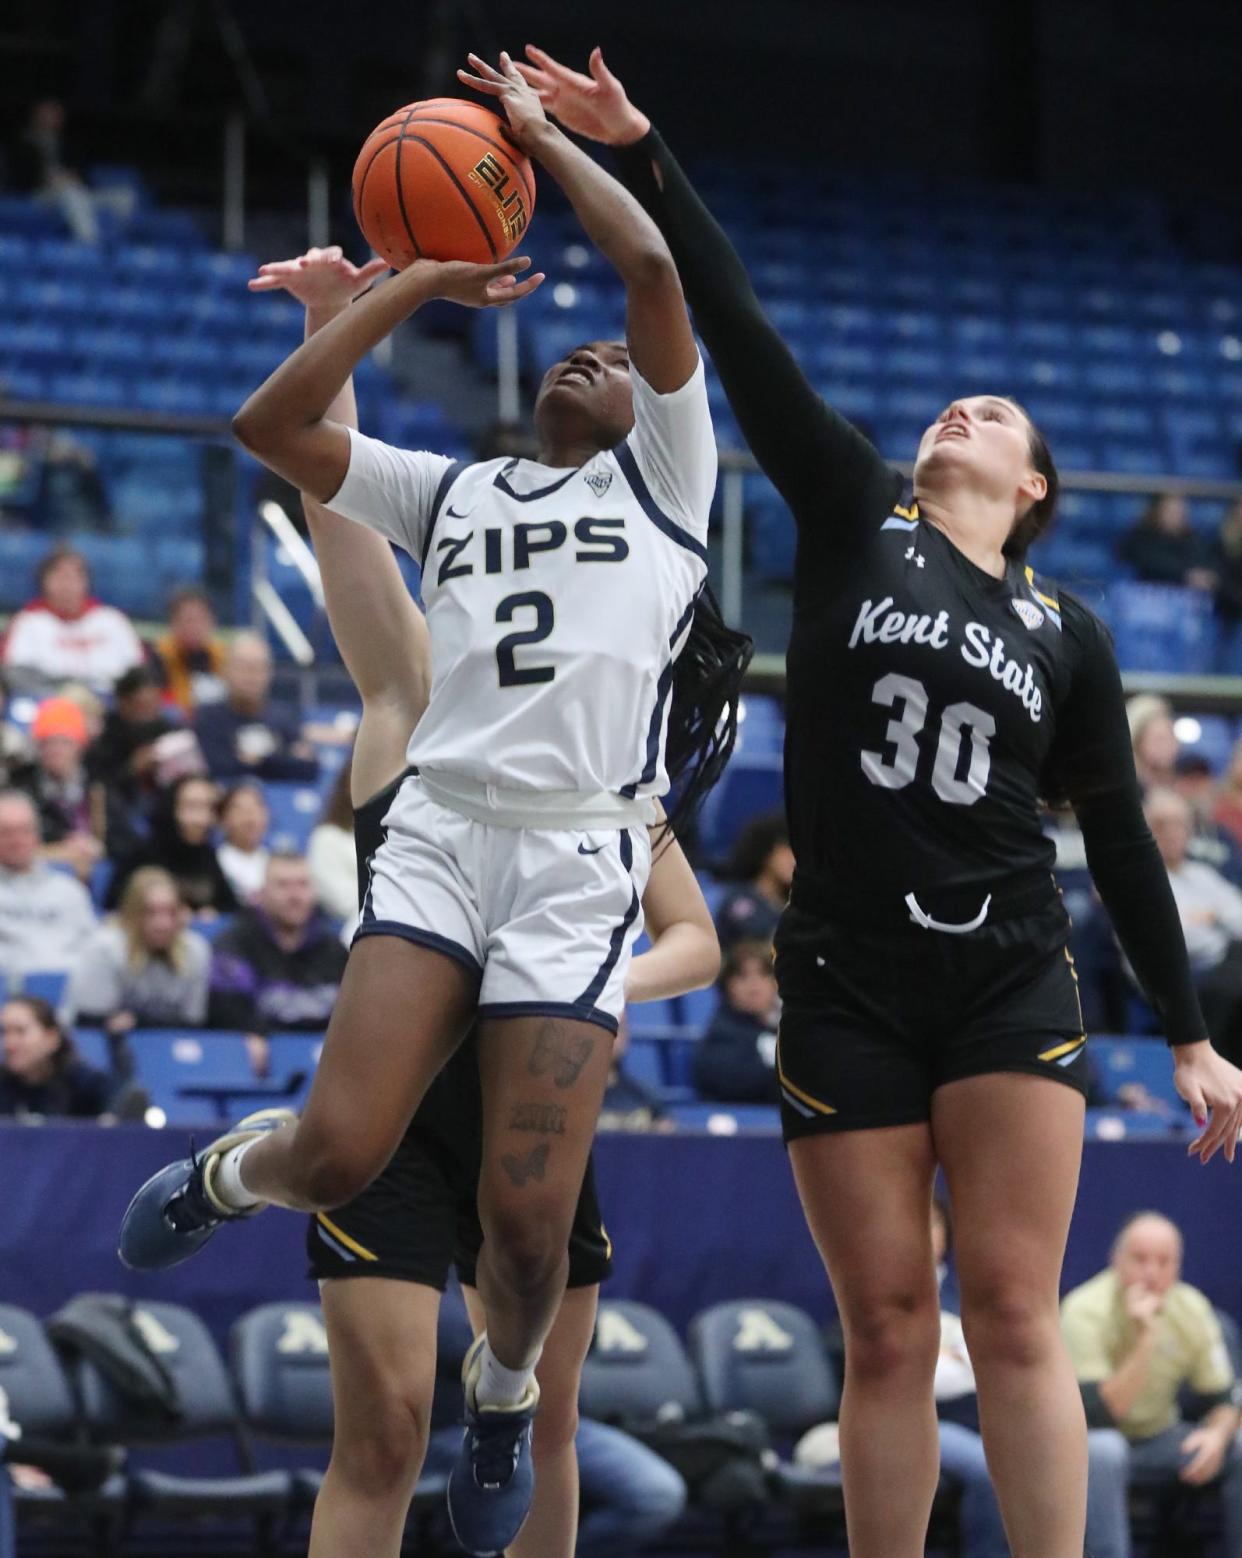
1044 591
905 513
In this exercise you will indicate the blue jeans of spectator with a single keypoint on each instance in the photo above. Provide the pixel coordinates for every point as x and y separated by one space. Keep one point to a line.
1156 1462
8 1534
983 1533
629 1495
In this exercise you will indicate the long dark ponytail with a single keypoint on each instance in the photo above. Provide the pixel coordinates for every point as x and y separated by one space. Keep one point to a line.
702 721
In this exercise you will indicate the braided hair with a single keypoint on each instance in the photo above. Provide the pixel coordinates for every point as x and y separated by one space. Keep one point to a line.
702 721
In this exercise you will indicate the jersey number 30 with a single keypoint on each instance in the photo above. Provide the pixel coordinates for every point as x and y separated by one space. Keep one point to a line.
961 723
511 673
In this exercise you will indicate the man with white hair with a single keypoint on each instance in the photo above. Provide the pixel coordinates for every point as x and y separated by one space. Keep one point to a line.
246 735
45 914
1138 1335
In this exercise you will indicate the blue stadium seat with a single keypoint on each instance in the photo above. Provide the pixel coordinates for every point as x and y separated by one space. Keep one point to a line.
637 1370
1162 628
764 1356
167 1062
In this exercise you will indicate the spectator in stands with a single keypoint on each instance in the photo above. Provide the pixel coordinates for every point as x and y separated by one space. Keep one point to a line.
1195 782
246 735
56 781
41 1073
190 655
1138 1336
123 759
735 1061
15 748
143 968
279 965
629 1105
1228 809
243 851
332 856
65 634
1210 909
181 840
39 166
1153 739
762 865
45 915
1226 563
1164 548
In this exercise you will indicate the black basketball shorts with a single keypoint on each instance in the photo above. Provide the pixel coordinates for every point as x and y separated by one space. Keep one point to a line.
421 1215
874 1020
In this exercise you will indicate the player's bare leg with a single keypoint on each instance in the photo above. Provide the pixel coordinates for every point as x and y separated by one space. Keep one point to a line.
401 1013
1011 1147
543 1080
867 1199
543 1083
382 1348
551 1528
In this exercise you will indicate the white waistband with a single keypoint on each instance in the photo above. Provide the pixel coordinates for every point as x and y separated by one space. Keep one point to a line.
570 811
925 920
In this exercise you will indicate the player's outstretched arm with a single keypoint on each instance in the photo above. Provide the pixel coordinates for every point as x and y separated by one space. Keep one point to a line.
684 952
820 463
285 422
660 339
381 633
1093 764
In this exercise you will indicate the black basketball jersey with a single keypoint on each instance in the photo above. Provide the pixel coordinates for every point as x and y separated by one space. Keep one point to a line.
929 704
923 704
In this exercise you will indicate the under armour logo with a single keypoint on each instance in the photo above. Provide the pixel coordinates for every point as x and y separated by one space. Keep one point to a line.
915 557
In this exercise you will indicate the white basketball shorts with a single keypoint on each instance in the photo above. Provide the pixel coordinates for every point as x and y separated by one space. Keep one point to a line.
545 918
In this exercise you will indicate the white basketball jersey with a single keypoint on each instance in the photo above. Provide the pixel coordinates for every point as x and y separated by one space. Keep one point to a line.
557 599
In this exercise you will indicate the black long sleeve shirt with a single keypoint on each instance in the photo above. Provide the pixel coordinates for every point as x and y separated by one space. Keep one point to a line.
929 705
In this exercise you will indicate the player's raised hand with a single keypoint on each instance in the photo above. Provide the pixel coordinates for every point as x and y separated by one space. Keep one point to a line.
519 100
595 106
1210 1085
479 286
320 278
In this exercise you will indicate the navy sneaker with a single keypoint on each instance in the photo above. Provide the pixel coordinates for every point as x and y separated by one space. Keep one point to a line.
493 1479
177 1211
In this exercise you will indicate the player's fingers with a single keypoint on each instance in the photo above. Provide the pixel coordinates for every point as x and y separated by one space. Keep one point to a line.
513 266
533 77
492 88
484 69
507 67
517 289
599 70
1215 1133
372 269
264 283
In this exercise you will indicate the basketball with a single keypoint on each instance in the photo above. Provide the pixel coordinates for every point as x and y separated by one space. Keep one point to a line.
441 180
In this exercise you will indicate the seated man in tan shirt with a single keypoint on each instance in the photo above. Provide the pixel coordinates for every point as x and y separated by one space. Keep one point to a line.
1137 1335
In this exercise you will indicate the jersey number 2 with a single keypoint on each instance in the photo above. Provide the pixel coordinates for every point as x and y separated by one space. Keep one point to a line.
512 674
959 722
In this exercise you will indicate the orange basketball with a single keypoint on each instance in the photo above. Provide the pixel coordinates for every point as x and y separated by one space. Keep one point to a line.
441 180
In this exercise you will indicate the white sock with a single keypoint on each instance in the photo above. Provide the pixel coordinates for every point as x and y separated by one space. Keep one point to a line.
498 1386
227 1181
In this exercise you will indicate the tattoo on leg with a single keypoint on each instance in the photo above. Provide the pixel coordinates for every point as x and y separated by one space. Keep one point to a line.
559 1055
533 1166
547 1119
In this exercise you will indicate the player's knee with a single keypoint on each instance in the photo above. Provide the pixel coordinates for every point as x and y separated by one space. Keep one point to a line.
525 1243
892 1334
1006 1325
329 1173
379 1458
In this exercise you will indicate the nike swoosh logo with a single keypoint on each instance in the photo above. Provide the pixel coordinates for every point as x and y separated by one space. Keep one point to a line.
583 850
453 514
